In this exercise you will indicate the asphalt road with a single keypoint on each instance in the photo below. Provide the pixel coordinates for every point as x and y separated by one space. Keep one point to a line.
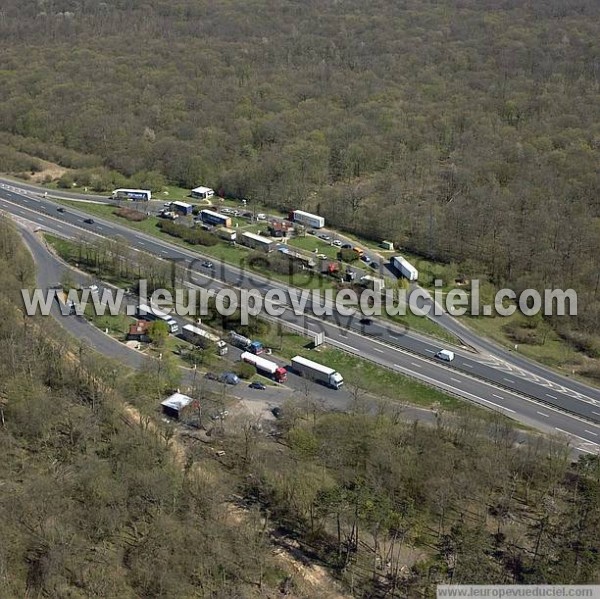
498 381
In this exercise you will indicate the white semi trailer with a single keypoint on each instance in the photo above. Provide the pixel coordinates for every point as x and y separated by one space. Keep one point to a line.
317 372
405 268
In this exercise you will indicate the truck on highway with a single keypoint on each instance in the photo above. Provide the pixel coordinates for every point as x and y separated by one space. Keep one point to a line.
265 367
202 338
153 313
445 354
317 372
405 268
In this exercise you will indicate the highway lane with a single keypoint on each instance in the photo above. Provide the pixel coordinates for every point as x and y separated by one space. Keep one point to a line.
475 366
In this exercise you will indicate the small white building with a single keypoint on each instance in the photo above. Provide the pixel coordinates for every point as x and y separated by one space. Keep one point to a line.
203 193
175 405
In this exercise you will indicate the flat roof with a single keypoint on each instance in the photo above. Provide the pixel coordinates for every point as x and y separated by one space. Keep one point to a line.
177 401
182 204
256 237
202 189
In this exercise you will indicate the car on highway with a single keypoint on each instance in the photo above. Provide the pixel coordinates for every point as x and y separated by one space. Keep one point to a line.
257 385
60 209
207 264
366 321
445 354
89 221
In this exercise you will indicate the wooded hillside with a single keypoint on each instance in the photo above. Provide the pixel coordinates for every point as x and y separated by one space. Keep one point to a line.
465 130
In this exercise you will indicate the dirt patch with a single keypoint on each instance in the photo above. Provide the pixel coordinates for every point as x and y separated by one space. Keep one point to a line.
49 171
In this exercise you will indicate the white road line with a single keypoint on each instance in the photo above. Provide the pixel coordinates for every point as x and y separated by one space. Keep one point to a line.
542 414
551 396
431 351
497 405
597 413
417 365
468 365
455 380
591 432
498 396
379 350
560 430
508 380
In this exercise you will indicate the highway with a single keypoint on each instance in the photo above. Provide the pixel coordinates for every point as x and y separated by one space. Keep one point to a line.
507 383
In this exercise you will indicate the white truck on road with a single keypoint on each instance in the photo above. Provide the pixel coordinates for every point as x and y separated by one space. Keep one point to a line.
317 372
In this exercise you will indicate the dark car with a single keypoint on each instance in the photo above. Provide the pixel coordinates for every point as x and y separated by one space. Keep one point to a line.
61 209
365 258
257 385
366 321
89 221
211 376
347 246
277 412
374 265
208 264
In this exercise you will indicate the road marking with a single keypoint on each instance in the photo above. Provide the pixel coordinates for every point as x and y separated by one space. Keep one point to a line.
394 336
591 432
468 365
455 380
497 405
551 396
431 351
542 414
498 396
508 380
141 243
417 365
560 430
379 350
597 413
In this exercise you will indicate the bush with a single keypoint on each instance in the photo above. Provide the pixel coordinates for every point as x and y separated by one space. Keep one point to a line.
193 236
347 255
245 370
130 214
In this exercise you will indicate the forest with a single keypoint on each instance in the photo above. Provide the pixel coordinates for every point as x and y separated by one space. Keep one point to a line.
467 131
101 498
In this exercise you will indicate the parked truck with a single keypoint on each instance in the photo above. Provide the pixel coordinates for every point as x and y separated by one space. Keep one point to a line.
266 367
317 372
254 347
405 268
198 336
153 313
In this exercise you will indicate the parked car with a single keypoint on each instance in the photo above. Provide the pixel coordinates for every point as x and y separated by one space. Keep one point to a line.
365 259
229 378
277 412
321 256
311 232
257 385
211 376
337 242
347 246
226 211
89 221
261 216
324 237
374 265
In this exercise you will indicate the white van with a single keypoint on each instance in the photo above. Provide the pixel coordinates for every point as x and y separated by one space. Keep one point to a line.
445 354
